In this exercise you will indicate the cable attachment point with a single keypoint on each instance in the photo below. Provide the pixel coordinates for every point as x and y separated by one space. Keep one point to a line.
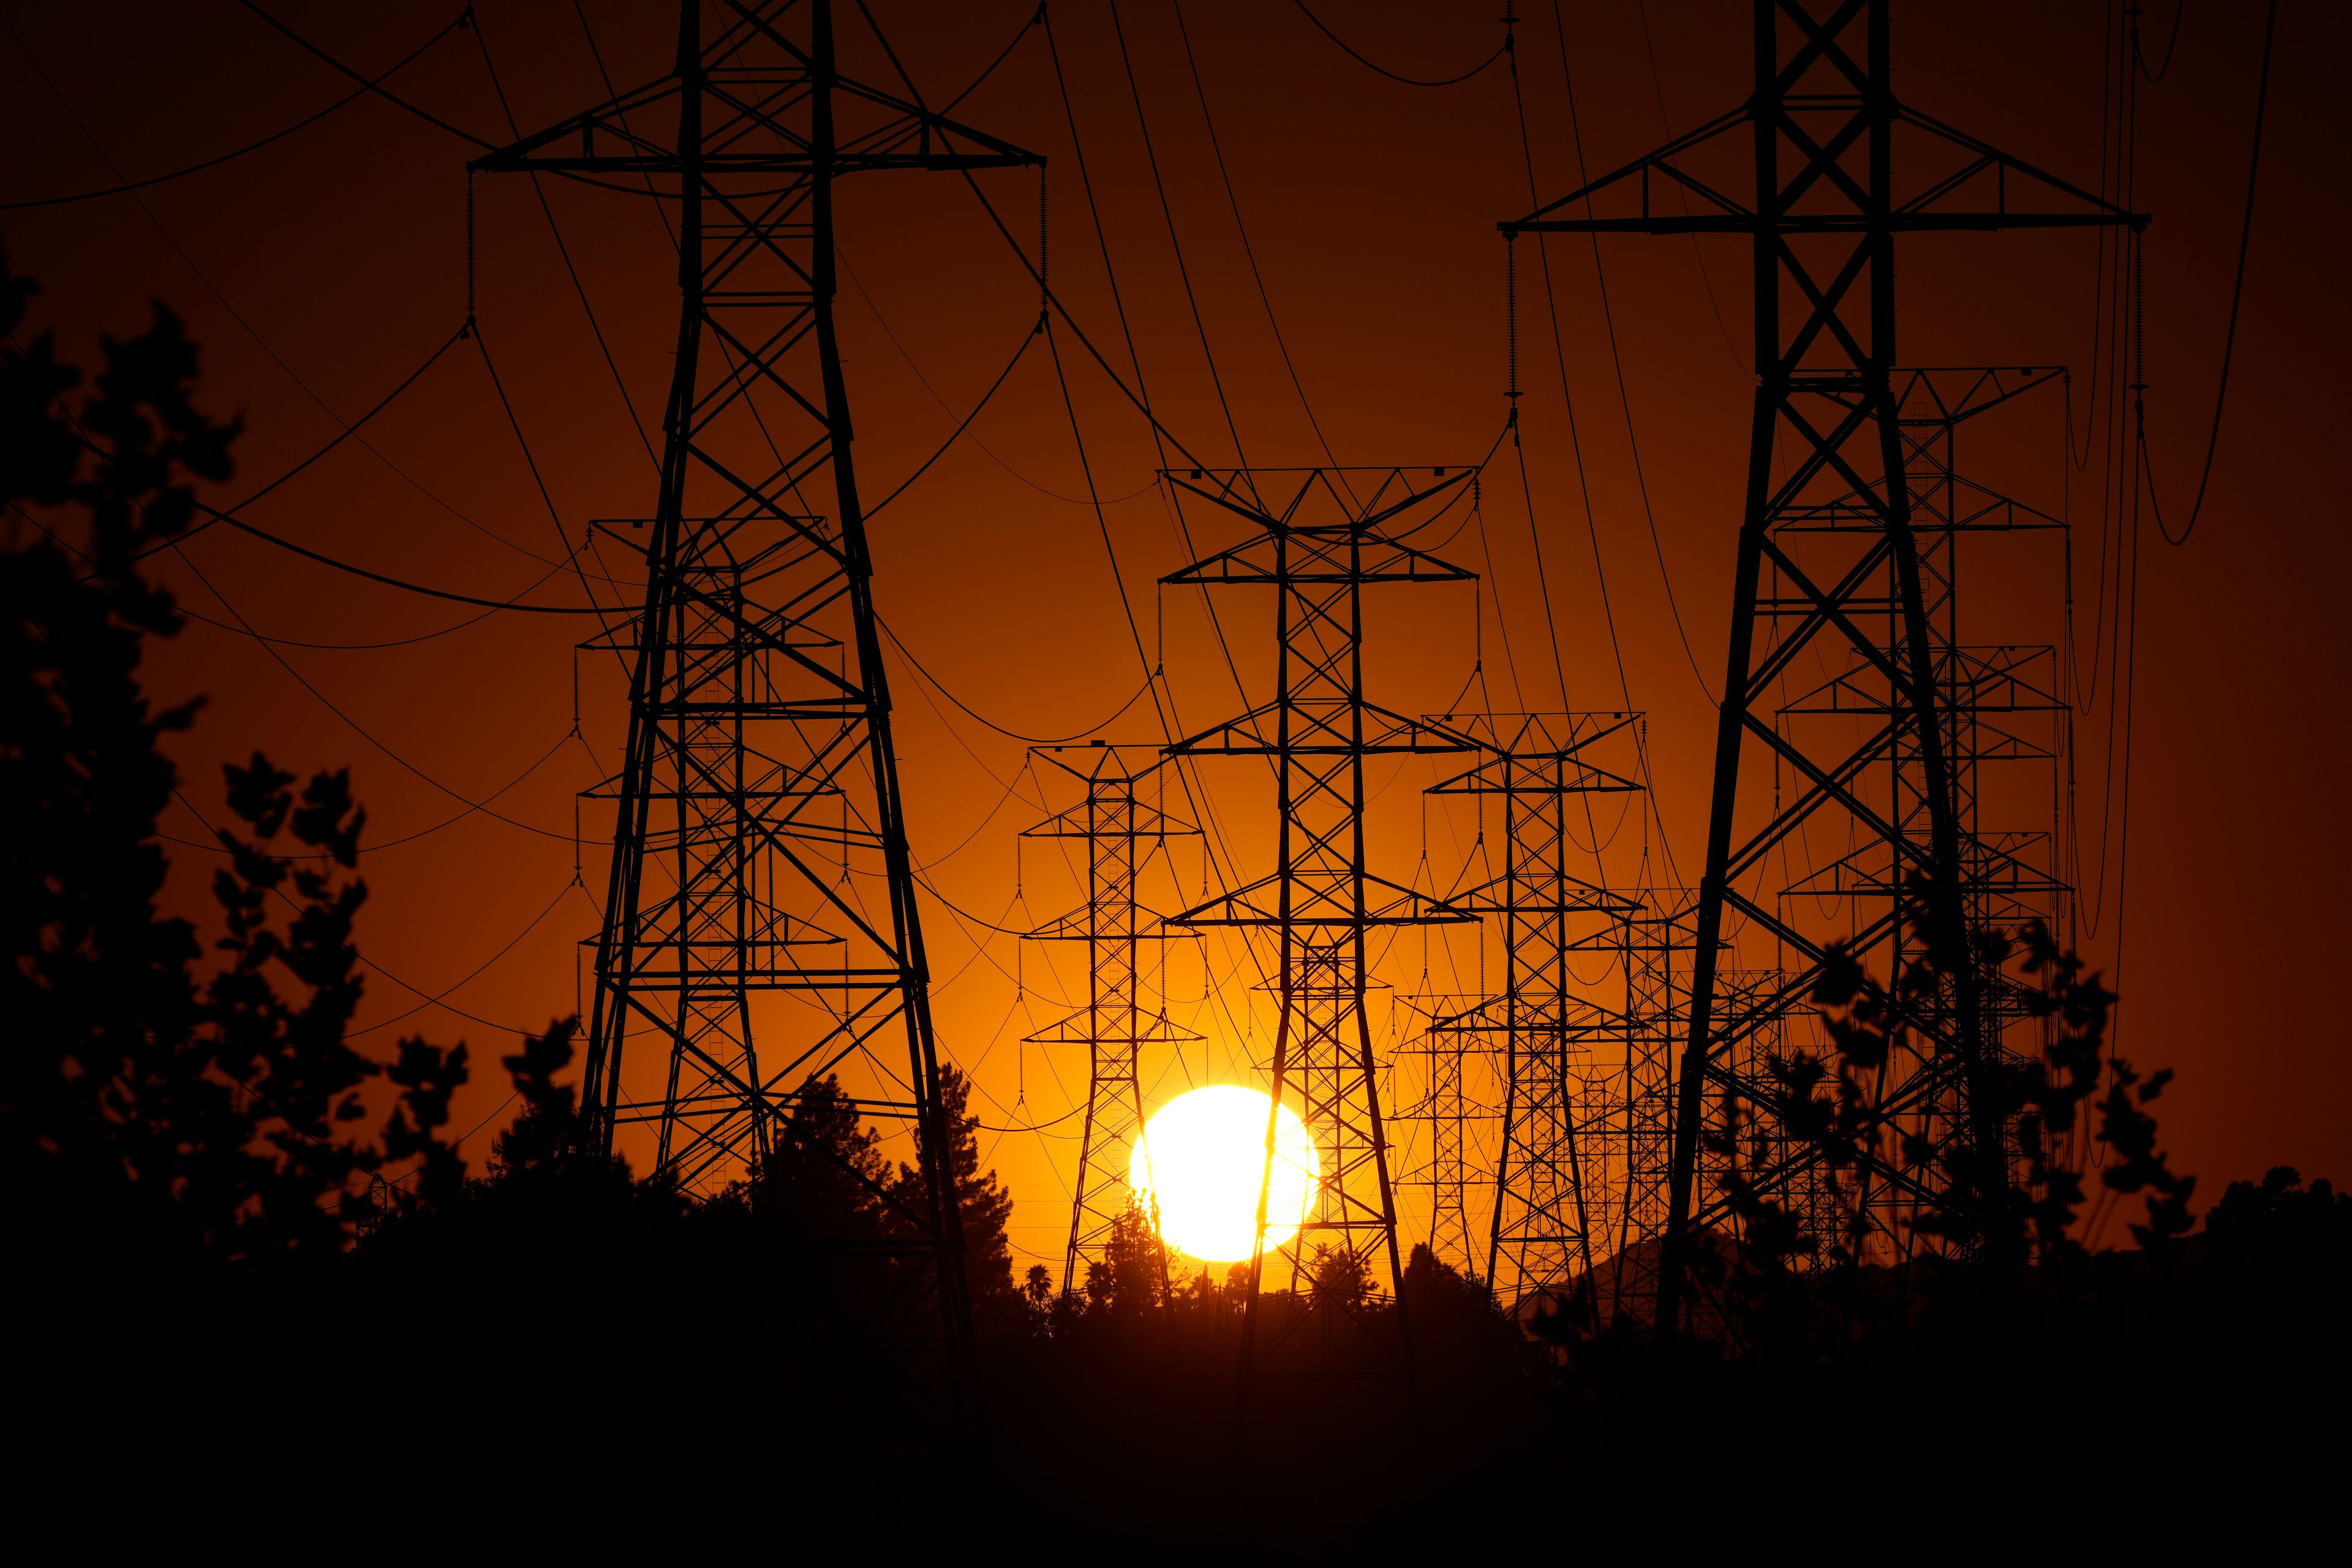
1510 319
469 247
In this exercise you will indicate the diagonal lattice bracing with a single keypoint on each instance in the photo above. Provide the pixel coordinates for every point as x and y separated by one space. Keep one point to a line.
1318 537
1833 167
1543 1030
1122 823
761 934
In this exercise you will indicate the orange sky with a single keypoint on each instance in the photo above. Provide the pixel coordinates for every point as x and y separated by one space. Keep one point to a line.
337 259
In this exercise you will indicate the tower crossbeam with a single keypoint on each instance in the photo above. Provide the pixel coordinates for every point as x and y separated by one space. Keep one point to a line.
760 938
1816 143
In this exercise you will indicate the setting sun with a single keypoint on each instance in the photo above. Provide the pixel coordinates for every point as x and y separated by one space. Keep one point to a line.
1200 1159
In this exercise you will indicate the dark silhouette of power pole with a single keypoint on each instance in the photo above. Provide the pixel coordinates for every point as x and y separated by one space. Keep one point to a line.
1822 125
2003 708
1539 1239
760 931
1319 537
1121 830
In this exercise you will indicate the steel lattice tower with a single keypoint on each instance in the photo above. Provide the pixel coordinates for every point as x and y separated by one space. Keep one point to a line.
1444 1043
1114 1026
2008 876
1322 536
1822 124
1629 1114
1541 1238
760 931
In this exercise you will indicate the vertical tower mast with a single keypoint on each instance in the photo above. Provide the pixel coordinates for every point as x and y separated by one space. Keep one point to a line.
1823 123
760 930
1322 535
1541 1238
1990 696
1445 1040
1113 821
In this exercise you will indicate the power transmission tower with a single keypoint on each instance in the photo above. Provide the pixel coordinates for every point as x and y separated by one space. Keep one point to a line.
1541 1240
1115 823
1444 1043
1990 695
1629 1114
1822 124
761 932
1321 536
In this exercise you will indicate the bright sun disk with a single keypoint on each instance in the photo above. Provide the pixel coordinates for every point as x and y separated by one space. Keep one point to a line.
1200 1159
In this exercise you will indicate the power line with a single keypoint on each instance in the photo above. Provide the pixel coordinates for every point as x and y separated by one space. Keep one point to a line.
538 764
123 187
376 86
1168 215
238 317
2179 11
349 432
482 805
940 686
1609 320
288 901
1028 336
2237 294
1163 698
352 646
538 479
1248 251
1682 196
621 385
215 515
1500 50
514 604
1036 18
476 973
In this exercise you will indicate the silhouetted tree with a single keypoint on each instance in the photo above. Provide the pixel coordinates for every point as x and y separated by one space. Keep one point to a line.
155 1113
1339 1277
984 1205
1828 1102
2280 1211
1037 1293
1138 1265
827 1173
1126 1286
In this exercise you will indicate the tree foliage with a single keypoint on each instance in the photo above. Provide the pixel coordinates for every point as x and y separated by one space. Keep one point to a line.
157 1109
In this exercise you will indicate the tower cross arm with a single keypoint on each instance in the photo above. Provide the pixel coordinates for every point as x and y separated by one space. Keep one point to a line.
2020 195
1136 821
1323 728
1924 210
627 150
1727 213
1323 904
600 141
1335 554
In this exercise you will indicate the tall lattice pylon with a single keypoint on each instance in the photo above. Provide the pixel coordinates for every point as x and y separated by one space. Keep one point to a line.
1819 154
1629 1107
1122 831
2003 710
1320 536
1445 1044
761 932
1540 1238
